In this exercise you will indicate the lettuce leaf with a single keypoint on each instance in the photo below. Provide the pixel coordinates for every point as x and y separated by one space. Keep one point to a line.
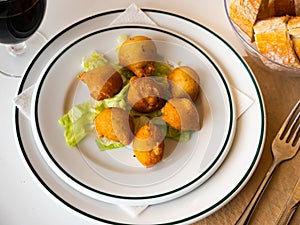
95 60
177 135
79 120
105 144
162 69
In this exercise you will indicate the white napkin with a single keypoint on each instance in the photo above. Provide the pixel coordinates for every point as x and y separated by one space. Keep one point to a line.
131 15
23 101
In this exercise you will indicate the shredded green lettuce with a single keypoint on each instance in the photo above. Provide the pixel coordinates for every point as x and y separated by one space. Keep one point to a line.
162 69
95 60
105 144
78 122
177 135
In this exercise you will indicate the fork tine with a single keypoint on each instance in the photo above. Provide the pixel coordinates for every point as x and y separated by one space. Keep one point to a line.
284 126
295 142
292 127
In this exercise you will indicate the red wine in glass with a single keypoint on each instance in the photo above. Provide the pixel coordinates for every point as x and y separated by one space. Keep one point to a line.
19 21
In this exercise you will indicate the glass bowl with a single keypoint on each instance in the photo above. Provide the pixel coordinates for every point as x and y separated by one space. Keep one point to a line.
260 59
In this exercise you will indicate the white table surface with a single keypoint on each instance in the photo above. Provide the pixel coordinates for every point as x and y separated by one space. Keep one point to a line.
22 201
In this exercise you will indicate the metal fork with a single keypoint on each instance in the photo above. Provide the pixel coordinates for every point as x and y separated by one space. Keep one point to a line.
285 146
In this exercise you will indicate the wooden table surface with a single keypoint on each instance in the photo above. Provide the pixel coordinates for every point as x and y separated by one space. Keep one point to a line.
280 94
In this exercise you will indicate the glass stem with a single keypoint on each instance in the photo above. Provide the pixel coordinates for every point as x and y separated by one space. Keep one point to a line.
16 49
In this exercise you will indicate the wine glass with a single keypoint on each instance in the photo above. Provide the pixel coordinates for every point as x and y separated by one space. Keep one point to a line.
19 41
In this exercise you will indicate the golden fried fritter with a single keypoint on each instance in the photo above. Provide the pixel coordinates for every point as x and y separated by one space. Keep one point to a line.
138 54
184 81
115 124
148 145
103 82
181 114
145 95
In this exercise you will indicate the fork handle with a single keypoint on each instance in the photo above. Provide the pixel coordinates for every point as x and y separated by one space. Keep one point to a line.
247 213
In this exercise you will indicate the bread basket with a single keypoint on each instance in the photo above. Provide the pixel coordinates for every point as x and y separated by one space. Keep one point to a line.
252 50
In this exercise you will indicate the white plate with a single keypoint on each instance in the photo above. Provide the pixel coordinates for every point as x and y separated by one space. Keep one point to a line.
119 178
202 201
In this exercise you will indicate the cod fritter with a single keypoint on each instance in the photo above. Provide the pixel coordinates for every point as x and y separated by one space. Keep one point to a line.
138 55
184 82
181 114
145 95
148 145
115 124
103 82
